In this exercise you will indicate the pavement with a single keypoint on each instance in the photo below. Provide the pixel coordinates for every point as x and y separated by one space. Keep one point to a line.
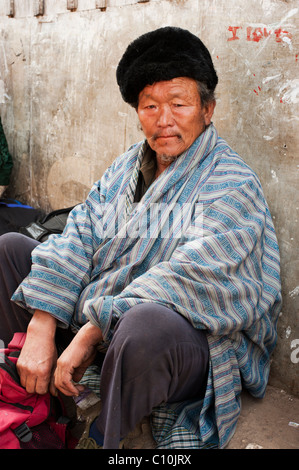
268 423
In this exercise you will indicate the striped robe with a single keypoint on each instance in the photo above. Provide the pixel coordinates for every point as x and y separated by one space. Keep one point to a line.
201 242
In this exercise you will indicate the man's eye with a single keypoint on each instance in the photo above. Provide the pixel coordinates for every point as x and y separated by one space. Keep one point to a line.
151 106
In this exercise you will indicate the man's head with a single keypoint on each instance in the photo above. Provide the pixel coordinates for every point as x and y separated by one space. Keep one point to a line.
172 116
168 76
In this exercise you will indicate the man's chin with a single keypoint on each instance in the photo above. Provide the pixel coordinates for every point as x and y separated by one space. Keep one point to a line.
165 158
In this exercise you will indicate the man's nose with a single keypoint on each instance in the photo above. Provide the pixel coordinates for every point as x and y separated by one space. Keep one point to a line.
165 117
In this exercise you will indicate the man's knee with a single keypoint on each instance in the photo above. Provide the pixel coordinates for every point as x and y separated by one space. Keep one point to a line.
155 322
154 341
7 238
138 338
8 243
149 331
15 251
148 324
13 242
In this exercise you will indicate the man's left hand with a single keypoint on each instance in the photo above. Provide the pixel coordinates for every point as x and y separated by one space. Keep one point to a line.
75 359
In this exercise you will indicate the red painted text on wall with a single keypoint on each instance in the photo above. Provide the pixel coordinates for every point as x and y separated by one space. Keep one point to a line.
256 34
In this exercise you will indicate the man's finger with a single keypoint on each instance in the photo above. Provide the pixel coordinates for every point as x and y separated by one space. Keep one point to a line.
52 389
29 383
41 386
69 390
65 384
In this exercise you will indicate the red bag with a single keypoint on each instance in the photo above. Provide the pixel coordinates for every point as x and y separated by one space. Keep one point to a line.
27 420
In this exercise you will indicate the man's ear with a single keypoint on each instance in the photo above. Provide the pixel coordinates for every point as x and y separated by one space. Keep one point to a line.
209 111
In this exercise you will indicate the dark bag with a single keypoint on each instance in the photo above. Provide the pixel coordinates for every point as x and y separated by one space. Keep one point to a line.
28 420
14 215
54 222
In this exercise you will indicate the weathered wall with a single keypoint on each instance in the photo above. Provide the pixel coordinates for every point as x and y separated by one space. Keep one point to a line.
65 120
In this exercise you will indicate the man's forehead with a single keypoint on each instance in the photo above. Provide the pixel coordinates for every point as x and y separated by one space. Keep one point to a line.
176 87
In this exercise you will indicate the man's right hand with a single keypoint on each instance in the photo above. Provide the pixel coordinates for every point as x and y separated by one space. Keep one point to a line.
38 357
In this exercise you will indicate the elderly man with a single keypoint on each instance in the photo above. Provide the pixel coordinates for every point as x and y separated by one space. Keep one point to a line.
170 268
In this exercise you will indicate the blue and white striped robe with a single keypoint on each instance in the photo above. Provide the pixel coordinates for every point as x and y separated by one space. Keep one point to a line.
213 258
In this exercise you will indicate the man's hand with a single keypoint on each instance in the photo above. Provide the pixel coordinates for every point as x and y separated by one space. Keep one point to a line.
38 356
75 359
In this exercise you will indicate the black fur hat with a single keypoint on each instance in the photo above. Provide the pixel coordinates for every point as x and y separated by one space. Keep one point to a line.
163 54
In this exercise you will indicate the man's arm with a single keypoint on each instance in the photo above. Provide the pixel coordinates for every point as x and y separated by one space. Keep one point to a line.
62 266
38 357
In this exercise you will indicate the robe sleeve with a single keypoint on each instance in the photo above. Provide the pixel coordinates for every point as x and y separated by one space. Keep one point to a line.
62 265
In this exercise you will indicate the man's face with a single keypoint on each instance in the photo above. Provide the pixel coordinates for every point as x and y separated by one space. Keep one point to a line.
171 115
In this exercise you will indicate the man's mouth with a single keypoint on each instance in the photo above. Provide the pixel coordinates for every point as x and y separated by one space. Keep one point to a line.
165 137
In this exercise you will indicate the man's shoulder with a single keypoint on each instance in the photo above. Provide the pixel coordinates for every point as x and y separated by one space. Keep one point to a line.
229 159
132 151
128 157
229 171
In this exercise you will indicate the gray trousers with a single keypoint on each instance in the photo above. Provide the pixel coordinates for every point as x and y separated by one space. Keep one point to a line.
155 355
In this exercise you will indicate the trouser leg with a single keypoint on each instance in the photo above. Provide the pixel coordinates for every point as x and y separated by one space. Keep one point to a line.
155 356
15 264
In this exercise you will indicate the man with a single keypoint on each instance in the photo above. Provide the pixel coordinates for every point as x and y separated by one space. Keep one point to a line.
170 268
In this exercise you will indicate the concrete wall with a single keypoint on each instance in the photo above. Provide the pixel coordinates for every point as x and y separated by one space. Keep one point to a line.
65 121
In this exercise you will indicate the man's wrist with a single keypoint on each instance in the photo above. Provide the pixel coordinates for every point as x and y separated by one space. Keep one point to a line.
43 321
92 334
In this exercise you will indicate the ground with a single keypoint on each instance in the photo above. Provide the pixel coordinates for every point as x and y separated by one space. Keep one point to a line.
270 423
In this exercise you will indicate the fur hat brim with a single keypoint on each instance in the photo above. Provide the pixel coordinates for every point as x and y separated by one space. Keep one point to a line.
163 54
